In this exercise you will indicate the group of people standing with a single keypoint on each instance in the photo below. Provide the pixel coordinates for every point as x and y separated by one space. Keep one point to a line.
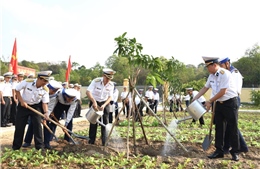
52 99
21 99
151 96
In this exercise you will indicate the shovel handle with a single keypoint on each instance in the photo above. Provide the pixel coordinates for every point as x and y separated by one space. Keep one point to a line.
54 122
65 131
212 118
48 128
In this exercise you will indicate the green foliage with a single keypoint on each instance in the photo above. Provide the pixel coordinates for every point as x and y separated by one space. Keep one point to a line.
249 67
255 97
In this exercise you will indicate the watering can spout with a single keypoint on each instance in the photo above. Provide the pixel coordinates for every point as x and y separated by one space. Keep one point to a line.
184 119
102 124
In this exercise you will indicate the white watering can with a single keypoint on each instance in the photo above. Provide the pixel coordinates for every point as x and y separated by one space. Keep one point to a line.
92 116
195 109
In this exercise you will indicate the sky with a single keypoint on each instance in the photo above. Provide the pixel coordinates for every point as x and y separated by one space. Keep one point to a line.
52 30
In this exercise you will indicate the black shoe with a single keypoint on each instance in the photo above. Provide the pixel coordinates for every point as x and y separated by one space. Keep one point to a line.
47 146
244 150
8 125
216 155
26 145
226 151
235 156
3 125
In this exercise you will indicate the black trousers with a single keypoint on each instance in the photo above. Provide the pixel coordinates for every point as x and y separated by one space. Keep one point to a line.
227 113
150 101
22 118
5 111
13 111
93 127
155 104
58 110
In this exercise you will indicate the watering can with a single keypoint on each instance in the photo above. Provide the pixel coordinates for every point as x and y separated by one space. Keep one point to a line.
92 116
195 109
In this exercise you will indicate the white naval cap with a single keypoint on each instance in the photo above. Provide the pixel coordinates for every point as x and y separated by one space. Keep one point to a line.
109 73
30 76
8 74
64 83
71 85
140 90
155 89
53 84
70 92
51 78
150 86
223 60
189 88
20 74
2 78
44 74
76 85
209 60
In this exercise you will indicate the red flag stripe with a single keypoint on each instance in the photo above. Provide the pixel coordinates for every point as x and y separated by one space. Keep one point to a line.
14 62
68 70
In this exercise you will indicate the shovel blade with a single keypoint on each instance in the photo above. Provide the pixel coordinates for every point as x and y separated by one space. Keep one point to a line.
206 143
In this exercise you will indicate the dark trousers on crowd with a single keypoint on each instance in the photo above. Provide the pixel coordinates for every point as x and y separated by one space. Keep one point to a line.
93 127
22 118
126 110
77 110
155 104
150 102
58 110
171 106
227 113
116 110
13 111
29 133
5 111
139 109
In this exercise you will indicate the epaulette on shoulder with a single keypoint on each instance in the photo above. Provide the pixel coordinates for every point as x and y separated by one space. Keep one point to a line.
46 88
236 71
98 80
29 80
222 72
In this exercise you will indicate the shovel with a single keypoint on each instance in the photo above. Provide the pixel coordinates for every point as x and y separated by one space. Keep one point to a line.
58 124
208 139
47 127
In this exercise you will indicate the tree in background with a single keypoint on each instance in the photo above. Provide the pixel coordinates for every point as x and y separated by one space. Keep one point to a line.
249 67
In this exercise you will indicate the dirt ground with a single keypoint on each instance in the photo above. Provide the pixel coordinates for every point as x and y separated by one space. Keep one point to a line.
172 155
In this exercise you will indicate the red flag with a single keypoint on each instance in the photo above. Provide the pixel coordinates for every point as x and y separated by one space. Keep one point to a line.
68 71
13 62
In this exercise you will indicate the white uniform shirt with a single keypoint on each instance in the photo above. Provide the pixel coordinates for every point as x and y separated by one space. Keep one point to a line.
78 96
14 84
237 79
187 97
201 99
149 94
99 91
220 80
31 94
124 94
156 96
7 89
59 98
115 95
